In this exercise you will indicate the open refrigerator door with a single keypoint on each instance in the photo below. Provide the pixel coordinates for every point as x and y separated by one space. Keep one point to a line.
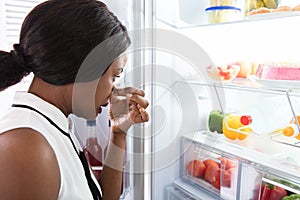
216 101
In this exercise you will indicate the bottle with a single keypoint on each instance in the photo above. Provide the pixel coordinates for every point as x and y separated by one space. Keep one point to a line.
92 150
292 129
236 123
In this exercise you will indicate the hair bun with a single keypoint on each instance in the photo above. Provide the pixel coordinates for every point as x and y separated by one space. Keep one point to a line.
18 56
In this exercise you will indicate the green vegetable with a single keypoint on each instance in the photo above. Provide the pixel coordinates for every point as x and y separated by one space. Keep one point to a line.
215 121
295 196
292 197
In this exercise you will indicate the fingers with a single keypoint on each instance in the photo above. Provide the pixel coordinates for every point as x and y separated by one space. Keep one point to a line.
138 114
139 100
127 90
144 115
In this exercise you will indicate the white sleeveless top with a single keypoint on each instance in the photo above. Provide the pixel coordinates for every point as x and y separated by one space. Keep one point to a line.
74 185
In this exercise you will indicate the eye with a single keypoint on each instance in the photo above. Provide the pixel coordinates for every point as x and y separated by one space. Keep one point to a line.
115 77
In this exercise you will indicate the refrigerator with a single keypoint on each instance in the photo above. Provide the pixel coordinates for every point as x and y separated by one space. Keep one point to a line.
173 51
180 47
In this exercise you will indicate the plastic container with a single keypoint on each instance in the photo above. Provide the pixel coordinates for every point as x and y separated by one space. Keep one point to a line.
210 169
221 14
237 127
223 2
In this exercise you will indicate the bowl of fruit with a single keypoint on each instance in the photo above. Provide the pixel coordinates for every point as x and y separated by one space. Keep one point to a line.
224 73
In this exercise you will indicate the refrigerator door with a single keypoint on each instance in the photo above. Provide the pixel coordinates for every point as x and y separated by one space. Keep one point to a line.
183 51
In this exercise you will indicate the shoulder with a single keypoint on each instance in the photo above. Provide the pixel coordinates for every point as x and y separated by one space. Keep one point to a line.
29 168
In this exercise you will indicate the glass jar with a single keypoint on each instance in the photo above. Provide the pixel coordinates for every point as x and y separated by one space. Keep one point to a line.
221 14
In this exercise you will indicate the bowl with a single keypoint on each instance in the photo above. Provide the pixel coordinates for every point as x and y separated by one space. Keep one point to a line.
223 73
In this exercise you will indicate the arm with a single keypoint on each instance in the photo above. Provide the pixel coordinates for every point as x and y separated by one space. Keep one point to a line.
111 176
28 169
122 117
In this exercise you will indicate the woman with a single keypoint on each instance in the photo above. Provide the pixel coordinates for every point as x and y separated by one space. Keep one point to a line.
75 50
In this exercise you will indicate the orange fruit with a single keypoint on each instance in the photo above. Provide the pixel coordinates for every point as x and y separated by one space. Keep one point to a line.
245 69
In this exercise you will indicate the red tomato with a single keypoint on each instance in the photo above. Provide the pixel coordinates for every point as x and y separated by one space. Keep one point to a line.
196 168
226 164
208 162
212 173
226 178
216 179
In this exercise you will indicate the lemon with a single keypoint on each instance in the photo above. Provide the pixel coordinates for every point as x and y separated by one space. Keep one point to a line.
260 3
270 4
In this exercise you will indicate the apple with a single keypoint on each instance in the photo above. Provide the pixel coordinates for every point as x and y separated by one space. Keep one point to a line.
245 69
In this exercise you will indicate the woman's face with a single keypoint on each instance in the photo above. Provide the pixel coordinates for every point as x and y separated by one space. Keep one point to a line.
88 98
106 82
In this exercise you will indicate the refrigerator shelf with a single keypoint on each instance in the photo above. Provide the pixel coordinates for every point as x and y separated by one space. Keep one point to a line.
288 99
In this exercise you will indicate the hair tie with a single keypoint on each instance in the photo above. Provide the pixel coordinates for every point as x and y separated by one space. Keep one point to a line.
18 56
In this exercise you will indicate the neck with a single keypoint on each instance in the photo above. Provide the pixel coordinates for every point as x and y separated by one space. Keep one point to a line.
59 96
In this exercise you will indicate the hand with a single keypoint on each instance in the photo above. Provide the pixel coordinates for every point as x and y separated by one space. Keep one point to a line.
127 107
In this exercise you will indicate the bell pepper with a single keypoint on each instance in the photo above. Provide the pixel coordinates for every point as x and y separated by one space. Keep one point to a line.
215 121
278 193
266 192
272 192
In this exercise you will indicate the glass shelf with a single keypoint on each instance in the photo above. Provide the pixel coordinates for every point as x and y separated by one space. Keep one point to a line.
190 13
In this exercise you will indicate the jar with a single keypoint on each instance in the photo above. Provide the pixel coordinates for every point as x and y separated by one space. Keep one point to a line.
223 2
220 14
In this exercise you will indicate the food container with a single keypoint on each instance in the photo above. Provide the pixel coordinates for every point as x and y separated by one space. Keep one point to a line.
220 14
223 2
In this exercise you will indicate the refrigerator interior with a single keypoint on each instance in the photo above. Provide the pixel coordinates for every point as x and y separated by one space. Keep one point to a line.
182 100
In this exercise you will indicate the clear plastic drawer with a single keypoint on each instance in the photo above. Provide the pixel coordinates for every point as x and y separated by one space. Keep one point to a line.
210 169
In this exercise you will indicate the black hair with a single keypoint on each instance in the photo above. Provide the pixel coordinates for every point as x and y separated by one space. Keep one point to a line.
55 39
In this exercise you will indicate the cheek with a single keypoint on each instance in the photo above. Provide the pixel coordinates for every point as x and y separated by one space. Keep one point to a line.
104 90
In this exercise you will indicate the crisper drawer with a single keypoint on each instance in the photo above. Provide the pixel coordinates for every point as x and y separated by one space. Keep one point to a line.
210 169
173 193
251 177
277 187
260 183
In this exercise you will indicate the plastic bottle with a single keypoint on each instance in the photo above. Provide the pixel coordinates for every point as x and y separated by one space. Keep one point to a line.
236 123
92 149
292 130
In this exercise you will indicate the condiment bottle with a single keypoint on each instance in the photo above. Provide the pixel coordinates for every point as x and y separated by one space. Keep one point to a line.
292 129
92 149
236 123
